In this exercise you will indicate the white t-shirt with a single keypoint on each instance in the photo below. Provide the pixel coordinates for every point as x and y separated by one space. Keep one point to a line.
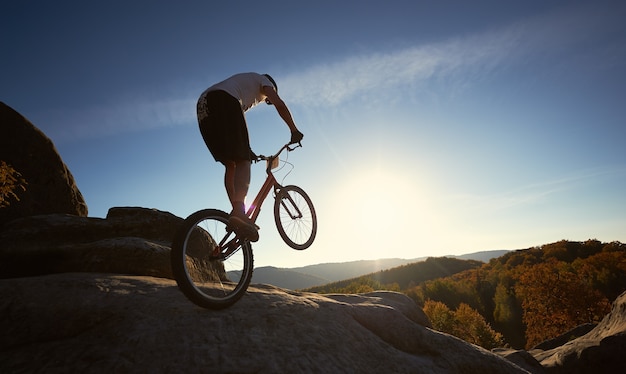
245 87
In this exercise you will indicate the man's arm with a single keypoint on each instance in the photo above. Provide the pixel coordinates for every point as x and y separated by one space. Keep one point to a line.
281 107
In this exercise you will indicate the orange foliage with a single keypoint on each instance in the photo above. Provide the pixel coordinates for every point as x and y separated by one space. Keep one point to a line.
465 323
555 299
11 182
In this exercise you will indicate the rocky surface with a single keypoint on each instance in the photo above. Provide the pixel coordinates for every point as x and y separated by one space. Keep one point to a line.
572 334
51 187
65 308
89 322
129 241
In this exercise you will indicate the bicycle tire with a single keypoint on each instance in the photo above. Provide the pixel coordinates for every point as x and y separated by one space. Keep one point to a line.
295 217
210 282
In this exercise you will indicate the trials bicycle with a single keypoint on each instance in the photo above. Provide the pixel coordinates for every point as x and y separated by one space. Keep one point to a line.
212 265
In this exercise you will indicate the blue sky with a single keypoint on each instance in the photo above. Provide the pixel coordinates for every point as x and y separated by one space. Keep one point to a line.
431 128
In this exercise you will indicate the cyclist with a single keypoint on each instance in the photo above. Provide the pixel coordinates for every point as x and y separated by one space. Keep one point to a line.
222 122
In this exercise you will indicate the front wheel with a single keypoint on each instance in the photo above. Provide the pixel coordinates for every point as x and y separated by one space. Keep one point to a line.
211 265
295 217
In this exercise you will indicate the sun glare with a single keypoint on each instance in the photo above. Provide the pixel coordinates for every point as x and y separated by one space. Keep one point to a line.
382 210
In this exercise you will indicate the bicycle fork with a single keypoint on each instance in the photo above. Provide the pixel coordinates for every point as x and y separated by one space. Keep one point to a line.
291 207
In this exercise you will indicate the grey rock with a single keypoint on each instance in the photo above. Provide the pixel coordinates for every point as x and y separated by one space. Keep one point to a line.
89 322
574 333
520 358
51 187
129 241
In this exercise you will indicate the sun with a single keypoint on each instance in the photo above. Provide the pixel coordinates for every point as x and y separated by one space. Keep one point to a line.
374 206
378 208
370 213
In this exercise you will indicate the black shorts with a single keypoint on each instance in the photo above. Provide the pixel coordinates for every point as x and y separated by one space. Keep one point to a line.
223 127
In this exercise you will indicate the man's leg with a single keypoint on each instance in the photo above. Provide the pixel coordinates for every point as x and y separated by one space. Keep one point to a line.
237 182
229 180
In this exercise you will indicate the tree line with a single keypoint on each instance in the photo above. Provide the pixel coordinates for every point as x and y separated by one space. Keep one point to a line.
519 299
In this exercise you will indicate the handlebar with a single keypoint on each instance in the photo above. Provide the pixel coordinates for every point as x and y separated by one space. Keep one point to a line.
289 147
273 160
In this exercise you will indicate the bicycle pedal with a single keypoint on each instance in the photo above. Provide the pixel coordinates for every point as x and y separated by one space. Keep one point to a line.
248 233
246 230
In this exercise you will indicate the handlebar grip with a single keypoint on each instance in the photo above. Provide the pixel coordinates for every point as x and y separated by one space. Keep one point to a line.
294 147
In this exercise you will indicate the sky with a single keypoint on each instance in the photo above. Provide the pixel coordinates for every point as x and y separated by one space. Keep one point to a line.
431 128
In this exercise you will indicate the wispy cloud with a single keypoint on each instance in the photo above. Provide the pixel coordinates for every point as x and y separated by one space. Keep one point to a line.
125 117
454 61
333 84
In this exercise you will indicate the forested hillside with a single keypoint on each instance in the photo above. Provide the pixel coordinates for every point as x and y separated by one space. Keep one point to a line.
519 299
401 277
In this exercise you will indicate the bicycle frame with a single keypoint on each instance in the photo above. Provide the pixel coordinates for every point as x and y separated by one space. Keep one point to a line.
270 183
230 244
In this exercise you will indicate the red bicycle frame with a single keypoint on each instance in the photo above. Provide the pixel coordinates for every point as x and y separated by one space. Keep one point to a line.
269 184
231 244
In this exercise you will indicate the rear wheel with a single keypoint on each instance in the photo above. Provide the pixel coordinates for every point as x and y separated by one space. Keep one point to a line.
295 217
211 265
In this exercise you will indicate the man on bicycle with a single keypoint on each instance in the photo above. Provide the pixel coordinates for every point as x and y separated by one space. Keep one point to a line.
222 122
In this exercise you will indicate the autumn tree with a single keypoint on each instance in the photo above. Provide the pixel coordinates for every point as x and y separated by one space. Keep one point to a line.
441 317
11 182
606 270
556 299
465 323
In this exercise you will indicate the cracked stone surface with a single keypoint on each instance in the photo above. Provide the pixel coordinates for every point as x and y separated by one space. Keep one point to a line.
90 322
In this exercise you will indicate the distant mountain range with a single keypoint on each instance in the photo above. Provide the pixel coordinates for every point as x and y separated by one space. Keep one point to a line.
320 274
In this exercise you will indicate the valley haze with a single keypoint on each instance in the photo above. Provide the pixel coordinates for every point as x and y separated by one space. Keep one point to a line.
316 275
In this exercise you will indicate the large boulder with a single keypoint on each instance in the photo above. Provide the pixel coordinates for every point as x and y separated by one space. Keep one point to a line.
103 323
572 334
50 185
601 350
128 241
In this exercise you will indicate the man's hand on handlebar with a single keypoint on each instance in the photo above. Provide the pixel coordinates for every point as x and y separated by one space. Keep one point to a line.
253 157
296 137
